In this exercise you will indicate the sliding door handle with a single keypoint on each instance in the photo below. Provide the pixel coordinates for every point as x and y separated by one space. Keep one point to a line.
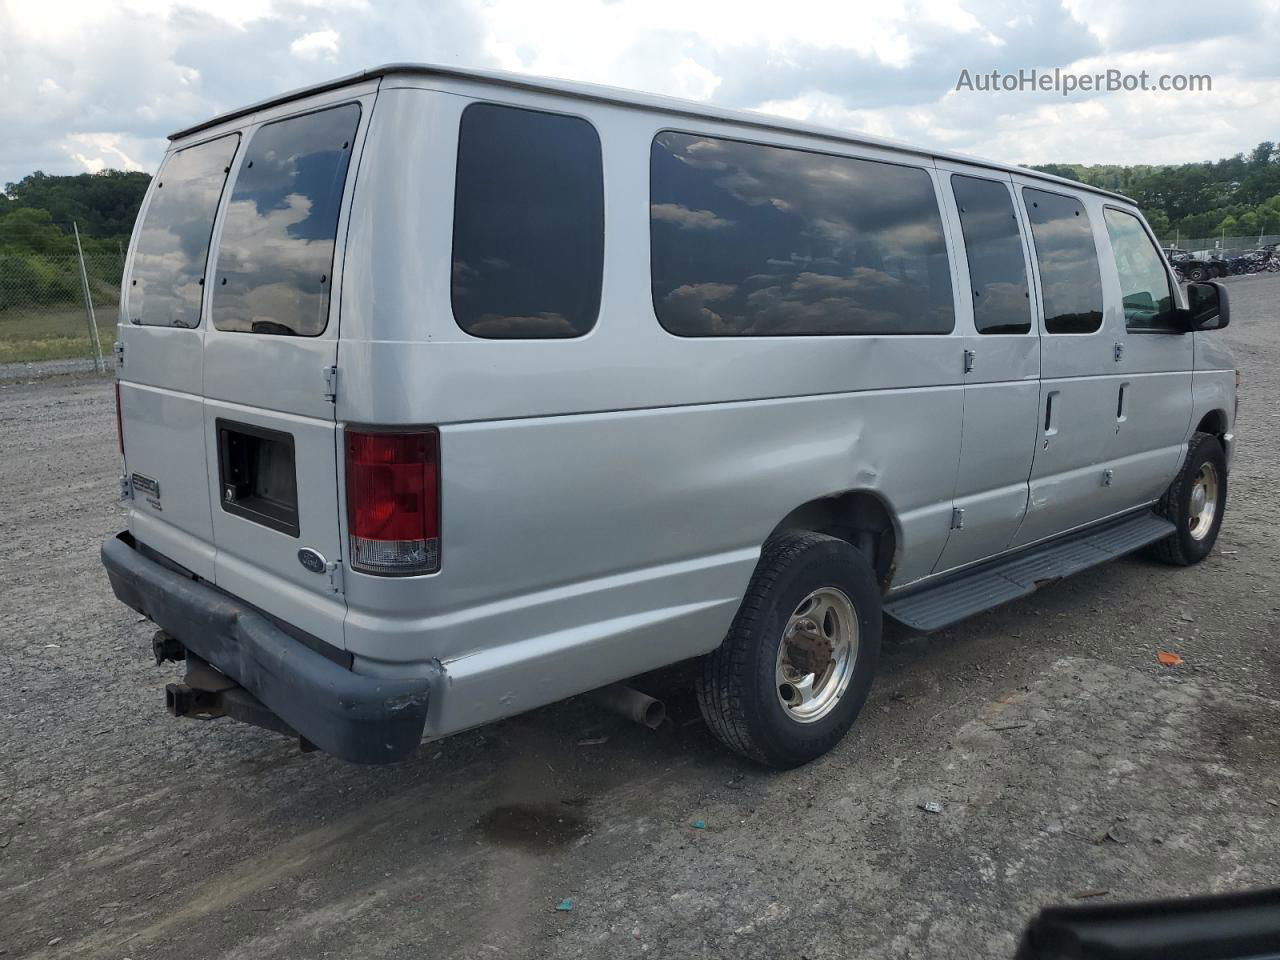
1052 402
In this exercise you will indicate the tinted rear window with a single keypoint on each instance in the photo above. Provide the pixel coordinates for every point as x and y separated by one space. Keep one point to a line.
751 240
275 256
528 224
993 246
1070 282
172 255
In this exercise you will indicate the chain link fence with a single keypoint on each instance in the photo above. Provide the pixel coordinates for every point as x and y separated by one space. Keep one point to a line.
50 304
1221 246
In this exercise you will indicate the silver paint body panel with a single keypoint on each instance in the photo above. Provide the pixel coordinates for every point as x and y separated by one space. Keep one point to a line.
604 499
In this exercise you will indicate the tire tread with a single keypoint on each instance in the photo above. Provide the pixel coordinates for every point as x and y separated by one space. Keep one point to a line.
724 683
1171 550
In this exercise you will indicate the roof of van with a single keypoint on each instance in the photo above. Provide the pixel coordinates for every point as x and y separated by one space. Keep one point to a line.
632 98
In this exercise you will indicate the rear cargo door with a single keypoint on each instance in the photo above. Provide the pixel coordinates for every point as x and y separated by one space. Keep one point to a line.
160 361
270 358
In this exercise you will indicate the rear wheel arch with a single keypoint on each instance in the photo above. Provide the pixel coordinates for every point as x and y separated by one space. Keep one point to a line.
859 517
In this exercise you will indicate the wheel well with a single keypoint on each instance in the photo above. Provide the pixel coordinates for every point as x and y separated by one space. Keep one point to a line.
1214 422
858 517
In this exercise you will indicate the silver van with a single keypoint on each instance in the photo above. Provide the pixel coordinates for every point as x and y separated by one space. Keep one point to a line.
445 395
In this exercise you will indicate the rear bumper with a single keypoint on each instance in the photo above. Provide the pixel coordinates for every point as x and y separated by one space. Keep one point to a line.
362 719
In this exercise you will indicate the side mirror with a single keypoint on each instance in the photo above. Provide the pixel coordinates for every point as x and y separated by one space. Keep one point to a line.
1208 307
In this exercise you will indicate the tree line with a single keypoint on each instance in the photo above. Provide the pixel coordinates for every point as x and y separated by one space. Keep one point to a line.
1238 196
38 263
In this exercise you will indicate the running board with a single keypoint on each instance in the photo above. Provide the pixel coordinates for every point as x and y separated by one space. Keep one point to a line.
988 585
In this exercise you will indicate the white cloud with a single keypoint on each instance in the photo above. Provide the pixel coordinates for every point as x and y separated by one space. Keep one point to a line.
321 44
74 74
98 151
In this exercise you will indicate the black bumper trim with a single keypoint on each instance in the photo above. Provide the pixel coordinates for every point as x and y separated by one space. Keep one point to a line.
358 718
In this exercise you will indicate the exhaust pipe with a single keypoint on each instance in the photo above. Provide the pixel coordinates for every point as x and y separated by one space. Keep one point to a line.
632 704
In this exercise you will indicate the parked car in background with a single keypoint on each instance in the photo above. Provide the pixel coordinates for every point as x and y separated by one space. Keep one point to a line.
509 389
1192 268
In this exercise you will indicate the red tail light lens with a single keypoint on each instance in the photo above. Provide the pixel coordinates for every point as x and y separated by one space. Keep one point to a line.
393 502
119 422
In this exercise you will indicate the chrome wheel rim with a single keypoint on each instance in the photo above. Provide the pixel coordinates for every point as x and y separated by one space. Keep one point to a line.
816 655
1204 501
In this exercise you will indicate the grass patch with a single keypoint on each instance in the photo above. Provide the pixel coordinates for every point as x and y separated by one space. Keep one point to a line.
53 333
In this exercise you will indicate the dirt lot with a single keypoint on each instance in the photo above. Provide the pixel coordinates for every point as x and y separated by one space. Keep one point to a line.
1069 763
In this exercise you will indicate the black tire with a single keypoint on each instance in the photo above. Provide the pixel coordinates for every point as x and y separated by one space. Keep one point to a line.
1182 547
1197 274
737 686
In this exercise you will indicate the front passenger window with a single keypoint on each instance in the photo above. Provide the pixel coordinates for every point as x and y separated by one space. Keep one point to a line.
1144 282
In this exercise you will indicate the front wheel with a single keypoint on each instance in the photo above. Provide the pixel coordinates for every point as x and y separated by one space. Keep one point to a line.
1195 502
795 669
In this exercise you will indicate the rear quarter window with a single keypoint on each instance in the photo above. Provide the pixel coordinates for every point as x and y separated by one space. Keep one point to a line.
275 256
528 224
167 279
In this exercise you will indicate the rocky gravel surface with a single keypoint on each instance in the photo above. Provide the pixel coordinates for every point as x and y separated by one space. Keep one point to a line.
39 369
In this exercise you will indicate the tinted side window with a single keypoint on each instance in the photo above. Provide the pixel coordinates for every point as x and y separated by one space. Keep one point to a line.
528 224
751 240
173 246
1070 283
275 256
1144 282
993 245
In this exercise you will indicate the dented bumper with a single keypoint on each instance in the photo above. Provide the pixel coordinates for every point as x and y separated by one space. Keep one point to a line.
358 718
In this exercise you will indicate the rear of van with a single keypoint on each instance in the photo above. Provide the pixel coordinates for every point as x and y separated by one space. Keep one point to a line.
226 370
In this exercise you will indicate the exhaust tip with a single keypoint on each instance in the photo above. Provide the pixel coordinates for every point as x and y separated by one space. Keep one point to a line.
654 713
632 704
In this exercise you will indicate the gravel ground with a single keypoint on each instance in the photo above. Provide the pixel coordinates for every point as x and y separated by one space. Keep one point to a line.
1068 762
39 369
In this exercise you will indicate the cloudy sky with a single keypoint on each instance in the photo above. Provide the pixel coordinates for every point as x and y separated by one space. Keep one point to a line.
87 85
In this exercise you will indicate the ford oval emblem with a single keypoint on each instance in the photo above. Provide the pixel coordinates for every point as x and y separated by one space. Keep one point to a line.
313 560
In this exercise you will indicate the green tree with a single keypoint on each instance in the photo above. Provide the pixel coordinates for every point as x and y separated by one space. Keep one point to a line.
104 204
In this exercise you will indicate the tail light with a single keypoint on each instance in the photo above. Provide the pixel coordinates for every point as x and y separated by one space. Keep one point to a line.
119 422
393 502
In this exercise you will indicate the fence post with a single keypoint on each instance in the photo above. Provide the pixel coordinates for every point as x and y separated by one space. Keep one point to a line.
88 305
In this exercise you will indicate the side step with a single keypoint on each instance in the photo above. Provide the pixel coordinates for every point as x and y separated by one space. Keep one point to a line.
988 585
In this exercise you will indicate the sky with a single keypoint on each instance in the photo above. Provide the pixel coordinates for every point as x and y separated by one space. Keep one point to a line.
86 86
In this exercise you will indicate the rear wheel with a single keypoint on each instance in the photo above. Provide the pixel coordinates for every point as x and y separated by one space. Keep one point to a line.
794 671
1195 502
1197 274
